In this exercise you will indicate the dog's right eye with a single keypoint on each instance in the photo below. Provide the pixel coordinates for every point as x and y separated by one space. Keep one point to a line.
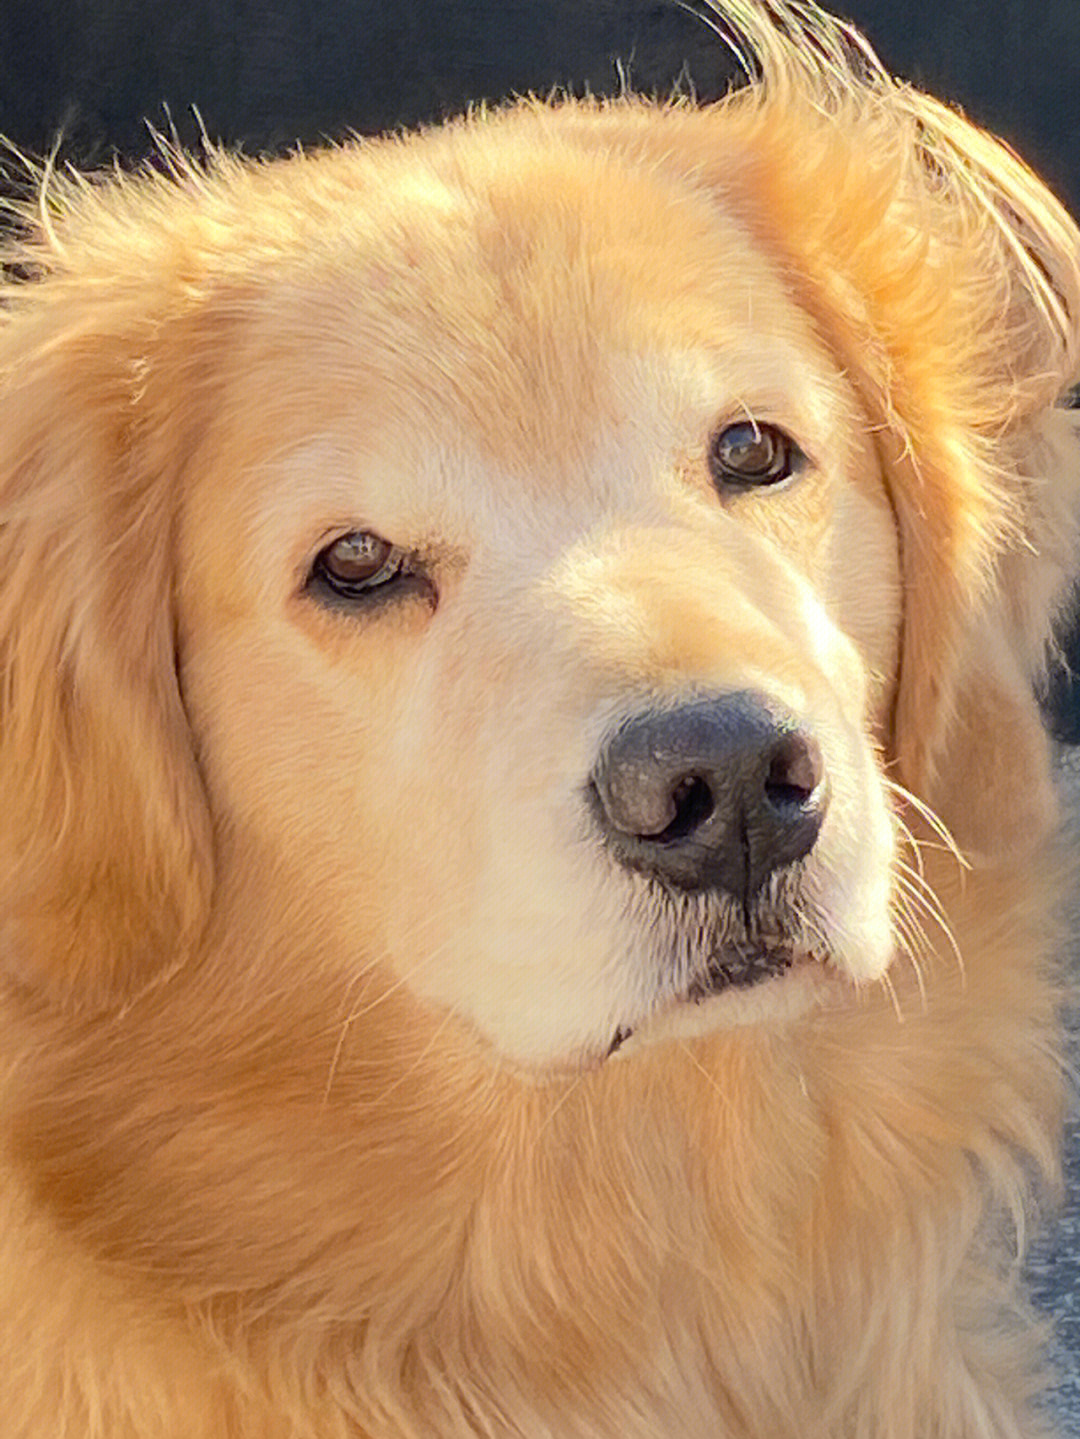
357 564
749 455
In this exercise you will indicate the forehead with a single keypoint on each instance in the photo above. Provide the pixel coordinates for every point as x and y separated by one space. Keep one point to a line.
519 295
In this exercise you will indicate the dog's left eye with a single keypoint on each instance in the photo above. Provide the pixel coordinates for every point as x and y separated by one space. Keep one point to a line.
358 563
750 454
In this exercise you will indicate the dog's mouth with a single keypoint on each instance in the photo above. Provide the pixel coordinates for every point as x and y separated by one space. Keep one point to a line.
736 968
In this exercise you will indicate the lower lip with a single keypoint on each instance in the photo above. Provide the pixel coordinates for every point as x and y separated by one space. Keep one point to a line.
780 999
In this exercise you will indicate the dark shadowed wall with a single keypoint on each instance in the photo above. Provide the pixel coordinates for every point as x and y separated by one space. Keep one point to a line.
266 72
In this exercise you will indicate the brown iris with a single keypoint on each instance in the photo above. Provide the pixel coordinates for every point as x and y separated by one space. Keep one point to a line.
359 562
750 453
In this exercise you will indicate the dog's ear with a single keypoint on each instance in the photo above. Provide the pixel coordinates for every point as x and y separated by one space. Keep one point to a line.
946 279
977 749
972 351
104 832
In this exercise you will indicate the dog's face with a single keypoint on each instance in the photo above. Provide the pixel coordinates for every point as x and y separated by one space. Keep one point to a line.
521 552
543 623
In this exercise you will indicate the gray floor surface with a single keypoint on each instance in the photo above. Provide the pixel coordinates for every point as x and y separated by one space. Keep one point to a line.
1055 1264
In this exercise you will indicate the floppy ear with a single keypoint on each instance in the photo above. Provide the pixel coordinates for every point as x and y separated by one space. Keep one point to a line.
946 278
988 775
983 468
104 833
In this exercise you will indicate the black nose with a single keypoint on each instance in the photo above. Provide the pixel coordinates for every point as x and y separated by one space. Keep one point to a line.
715 795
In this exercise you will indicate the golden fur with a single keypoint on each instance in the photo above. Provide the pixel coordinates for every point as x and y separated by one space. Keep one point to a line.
308 959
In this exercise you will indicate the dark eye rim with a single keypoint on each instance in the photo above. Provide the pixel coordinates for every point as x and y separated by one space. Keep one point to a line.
792 459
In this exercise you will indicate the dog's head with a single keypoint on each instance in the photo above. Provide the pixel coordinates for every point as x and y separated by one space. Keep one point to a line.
519 558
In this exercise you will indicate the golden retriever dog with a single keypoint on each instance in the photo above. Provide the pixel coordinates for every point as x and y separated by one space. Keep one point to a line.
528 862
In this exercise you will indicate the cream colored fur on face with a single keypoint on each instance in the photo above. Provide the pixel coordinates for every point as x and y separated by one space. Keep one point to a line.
309 959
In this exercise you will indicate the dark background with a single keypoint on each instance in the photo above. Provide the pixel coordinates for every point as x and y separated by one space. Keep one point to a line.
265 73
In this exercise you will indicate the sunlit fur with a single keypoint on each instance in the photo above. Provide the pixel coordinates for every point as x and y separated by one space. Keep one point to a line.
291 1147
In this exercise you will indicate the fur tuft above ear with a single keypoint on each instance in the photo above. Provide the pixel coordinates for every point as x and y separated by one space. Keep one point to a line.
104 835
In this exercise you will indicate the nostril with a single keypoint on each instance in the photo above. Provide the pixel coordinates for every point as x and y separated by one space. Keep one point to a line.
796 769
694 803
